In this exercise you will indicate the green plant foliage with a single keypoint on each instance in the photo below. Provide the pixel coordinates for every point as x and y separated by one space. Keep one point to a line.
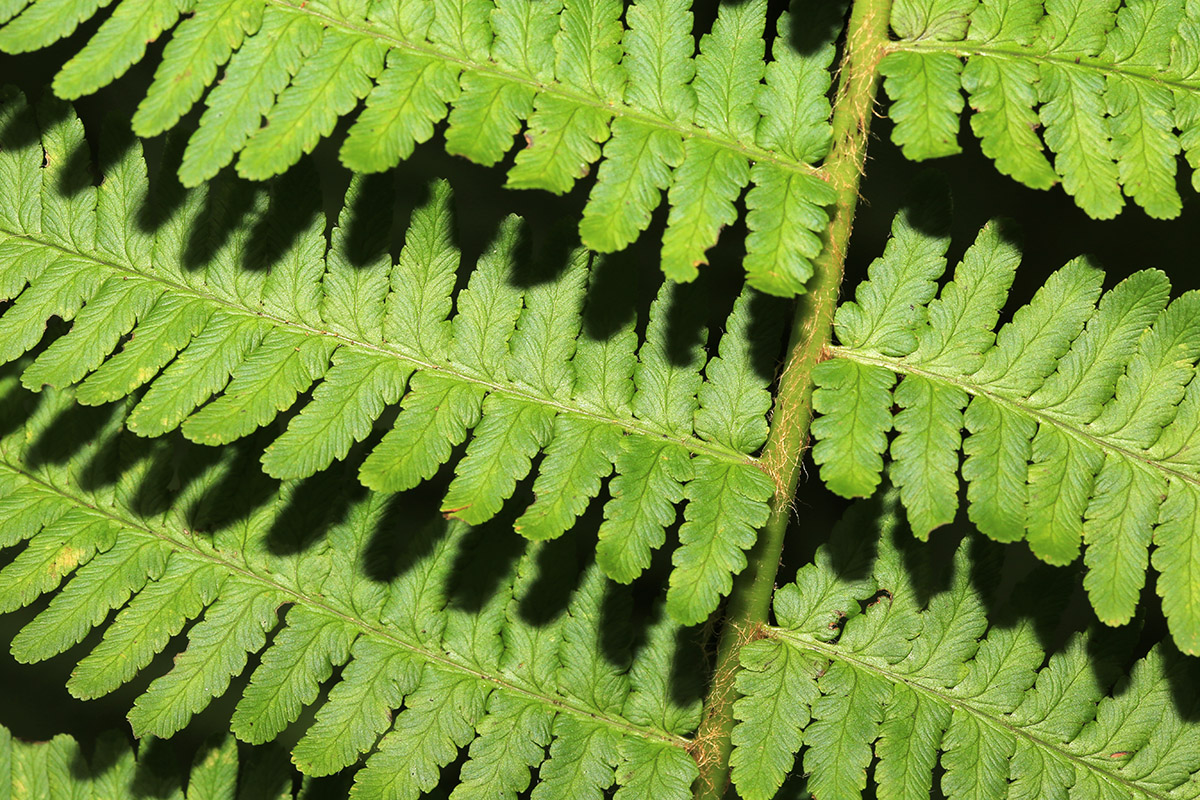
402 497
1108 83
1080 413
452 628
873 657
583 86
60 768
509 655
510 371
1110 88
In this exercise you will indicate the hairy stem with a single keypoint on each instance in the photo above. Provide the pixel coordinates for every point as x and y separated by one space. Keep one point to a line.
749 604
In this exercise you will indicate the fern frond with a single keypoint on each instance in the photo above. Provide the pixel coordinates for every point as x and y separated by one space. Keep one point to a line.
1113 86
1079 415
876 658
220 352
640 101
460 640
60 768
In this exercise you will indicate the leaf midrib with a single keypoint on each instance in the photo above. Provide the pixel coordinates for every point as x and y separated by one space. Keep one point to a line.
831 651
1043 417
968 49
630 425
560 704
617 108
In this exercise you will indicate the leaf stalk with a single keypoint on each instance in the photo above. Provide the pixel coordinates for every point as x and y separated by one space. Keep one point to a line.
811 333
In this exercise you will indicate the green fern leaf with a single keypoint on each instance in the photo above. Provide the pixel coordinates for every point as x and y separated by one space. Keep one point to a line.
925 451
257 72
1004 93
581 762
585 88
1175 555
71 539
887 311
201 370
648 485
126 568
68 201
563 137
59 768
449 641
119 44
925 102
343 411
786 209
1072 412
1108 82
191 60
110 314
421 283
25 323
336 335
637 167
727 504
658 49
854 402
236 623
359 708
266 383
440 719
301 658
944 20
145 625
580 455
775 706
42 26
512 738
401 110
498 456
918 678
328 84
708 181
650 475
166 329
435 417
11 8
651 770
